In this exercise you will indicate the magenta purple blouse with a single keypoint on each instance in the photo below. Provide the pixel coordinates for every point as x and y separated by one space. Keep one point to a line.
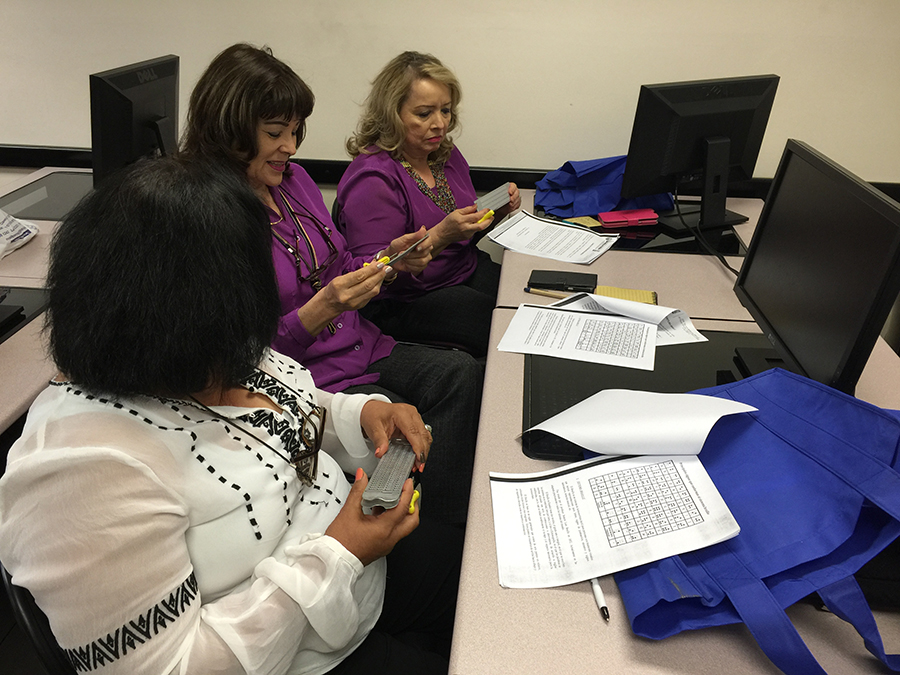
379 202
336 360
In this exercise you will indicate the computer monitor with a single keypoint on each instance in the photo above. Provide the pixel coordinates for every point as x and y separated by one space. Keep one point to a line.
822 270
134 113
687 131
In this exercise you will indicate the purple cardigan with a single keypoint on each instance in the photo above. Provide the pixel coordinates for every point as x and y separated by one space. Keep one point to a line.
336 361
379 202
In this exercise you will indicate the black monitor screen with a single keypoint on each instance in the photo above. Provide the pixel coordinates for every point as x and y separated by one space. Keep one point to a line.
822 272
134 113
706 129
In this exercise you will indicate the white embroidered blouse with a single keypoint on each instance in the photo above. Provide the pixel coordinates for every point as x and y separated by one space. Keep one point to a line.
159 538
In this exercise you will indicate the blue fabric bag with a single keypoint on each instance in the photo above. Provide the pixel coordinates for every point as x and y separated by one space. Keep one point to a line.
589 187
811 480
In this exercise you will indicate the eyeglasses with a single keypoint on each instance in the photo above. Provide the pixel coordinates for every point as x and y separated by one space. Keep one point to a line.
304 450
313 266
302 447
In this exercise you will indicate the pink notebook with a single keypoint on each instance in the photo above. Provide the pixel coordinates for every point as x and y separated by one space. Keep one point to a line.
628 218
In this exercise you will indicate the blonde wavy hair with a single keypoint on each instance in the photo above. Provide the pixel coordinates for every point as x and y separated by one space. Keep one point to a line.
380 124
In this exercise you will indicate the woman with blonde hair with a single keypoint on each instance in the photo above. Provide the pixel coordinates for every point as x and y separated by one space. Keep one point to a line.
407 174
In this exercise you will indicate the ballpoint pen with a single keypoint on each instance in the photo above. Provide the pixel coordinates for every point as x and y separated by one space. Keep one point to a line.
598 596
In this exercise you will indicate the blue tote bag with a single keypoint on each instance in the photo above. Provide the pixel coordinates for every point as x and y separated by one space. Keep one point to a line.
589 187
811 480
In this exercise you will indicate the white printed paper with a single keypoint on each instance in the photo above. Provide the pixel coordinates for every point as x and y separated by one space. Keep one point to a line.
14 233
582 336
674 326
525 233
601 516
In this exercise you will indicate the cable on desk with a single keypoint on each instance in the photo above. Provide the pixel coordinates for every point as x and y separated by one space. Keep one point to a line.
698 235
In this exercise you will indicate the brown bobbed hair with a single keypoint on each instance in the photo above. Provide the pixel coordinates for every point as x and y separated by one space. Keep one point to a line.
242 86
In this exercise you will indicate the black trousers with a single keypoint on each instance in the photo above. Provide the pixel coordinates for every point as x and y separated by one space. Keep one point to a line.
445 385
416 626
454 316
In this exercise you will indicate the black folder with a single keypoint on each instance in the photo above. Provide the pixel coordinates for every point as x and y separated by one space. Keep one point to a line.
553 384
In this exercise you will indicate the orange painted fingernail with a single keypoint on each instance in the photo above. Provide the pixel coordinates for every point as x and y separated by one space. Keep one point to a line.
359 473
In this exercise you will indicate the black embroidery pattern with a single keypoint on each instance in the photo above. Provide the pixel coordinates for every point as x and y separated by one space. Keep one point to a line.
259 381
136 632
291 438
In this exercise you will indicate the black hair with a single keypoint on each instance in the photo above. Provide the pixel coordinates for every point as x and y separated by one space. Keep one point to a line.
161 282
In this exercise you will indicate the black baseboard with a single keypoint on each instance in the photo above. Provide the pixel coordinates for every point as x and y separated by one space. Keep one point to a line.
323 171
329 171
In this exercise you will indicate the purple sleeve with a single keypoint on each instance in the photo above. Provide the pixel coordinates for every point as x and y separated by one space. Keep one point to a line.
380 202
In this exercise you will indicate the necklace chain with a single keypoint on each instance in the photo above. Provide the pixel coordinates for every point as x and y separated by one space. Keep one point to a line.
441 195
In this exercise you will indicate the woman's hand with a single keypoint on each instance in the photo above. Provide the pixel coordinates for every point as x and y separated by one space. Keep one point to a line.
416 260
457 226
515 203
370 537
383 421
342 294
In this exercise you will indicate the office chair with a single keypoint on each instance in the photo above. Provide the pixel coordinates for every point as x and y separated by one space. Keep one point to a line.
336 218
33 621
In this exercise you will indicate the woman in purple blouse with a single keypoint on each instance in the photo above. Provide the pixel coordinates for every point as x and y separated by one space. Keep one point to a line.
407 174
248 111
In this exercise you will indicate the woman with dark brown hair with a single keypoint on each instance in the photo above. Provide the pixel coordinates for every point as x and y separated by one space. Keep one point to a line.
248 111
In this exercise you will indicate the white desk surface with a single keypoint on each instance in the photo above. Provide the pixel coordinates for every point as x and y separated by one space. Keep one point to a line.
25 368
559 630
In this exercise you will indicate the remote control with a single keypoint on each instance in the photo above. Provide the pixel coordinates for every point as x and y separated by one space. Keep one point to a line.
494 199
387 480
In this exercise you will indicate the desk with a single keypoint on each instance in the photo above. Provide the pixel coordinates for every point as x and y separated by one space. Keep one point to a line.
559 630
697 284
25 368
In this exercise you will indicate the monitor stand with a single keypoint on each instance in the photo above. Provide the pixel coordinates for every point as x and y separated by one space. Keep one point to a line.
690 211
710 214
755 360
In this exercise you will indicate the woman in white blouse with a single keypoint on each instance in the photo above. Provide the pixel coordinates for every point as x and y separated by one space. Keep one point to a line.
177 502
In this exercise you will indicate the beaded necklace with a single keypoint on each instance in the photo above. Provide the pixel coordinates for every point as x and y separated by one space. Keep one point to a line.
441 195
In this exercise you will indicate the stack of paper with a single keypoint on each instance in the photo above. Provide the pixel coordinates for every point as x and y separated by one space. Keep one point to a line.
598 329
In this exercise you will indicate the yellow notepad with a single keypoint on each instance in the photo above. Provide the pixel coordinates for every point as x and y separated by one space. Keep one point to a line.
648 297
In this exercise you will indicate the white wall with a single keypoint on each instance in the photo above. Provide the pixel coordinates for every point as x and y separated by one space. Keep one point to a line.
544 81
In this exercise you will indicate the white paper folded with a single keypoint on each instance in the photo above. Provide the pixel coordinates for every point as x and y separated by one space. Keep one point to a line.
627 422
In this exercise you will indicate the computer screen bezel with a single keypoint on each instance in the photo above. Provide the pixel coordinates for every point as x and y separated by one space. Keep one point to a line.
850 364
676 139
134 113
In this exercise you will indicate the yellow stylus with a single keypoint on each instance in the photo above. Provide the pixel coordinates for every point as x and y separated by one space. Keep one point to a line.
383 259
489 214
